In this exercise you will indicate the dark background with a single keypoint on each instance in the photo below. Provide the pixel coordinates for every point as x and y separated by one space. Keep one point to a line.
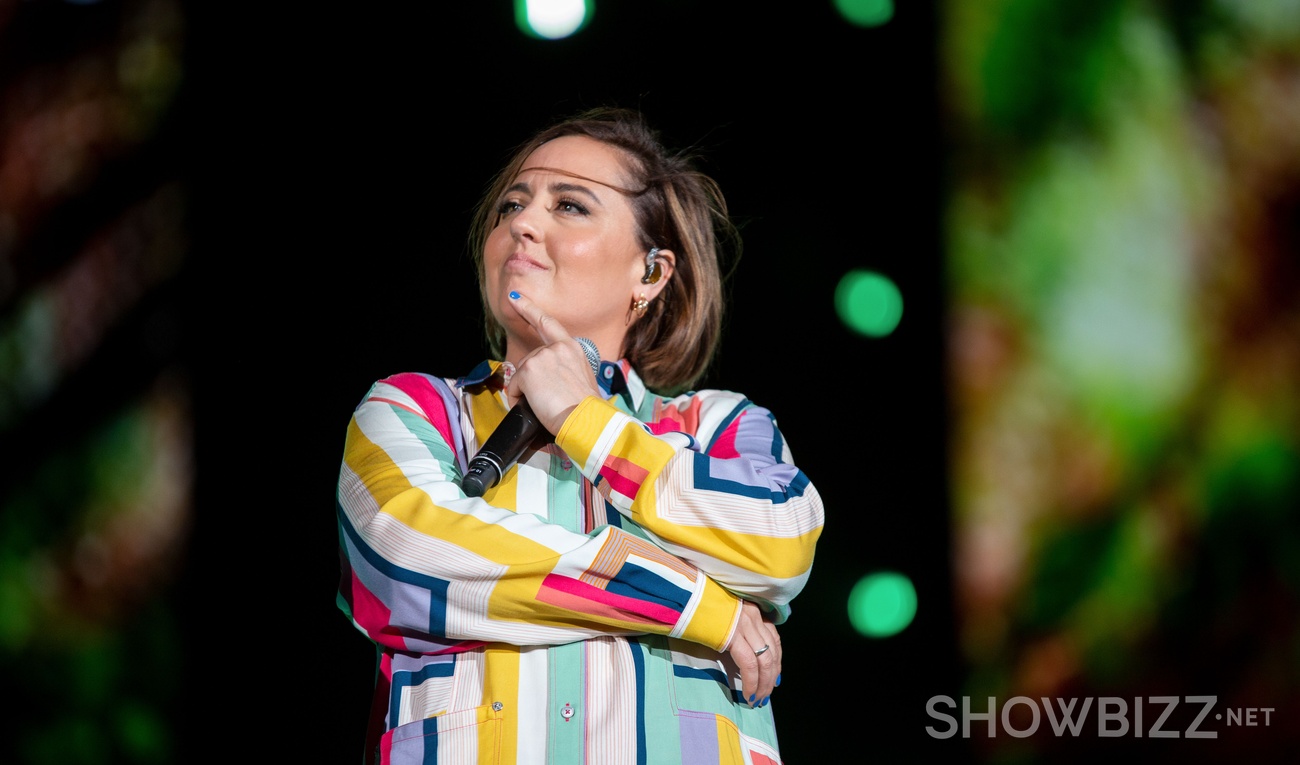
334 159
220 224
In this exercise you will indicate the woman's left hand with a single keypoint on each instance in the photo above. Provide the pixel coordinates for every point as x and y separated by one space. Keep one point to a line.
756 648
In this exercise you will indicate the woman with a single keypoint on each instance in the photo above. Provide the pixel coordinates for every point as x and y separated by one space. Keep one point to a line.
614 598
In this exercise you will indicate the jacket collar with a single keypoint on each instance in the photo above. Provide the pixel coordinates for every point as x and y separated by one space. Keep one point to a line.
613 377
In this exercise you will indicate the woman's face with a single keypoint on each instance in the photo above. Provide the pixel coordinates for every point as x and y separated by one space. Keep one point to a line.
567 239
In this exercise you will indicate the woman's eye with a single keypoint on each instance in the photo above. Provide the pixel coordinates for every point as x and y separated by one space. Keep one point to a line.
570 206
508 206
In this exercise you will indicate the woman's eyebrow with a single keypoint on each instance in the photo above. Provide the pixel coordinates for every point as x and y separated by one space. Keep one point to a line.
560 187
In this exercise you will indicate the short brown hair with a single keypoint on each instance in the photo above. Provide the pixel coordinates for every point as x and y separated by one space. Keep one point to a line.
677 208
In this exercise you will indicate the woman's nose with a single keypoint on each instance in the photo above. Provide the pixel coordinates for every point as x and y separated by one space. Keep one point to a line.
524 224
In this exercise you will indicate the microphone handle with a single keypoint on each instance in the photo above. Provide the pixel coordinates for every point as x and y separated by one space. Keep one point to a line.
517 432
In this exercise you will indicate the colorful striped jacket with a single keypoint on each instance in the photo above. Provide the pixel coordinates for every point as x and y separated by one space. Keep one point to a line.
575 613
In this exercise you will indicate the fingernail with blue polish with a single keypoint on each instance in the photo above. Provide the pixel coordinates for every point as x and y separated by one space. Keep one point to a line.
751 698
778 681
514 295
763 703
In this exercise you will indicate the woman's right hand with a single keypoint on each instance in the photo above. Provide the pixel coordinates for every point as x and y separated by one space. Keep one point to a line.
559 362
759 672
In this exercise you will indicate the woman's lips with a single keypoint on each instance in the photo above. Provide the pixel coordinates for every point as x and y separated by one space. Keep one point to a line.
521 262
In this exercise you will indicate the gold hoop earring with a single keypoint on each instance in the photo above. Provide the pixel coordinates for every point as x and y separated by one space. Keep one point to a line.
653 271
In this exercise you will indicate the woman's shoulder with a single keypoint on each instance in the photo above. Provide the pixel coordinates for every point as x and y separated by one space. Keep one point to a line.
417 391
408 381
484 373
711 398
700 412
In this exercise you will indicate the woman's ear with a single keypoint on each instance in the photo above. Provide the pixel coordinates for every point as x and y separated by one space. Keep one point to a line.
657 275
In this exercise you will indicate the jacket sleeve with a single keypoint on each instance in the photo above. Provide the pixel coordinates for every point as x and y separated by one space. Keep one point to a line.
710 479
426 568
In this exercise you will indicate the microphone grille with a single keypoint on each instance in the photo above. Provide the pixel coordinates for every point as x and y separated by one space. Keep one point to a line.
593 355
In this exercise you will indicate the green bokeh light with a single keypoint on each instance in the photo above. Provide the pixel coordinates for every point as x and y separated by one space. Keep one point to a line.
552 19
866 13
868 303
882 604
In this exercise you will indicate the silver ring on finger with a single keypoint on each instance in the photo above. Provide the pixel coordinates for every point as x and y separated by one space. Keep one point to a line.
762 650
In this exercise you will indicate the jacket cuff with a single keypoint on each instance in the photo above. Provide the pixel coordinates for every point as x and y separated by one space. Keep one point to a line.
713 620
590 432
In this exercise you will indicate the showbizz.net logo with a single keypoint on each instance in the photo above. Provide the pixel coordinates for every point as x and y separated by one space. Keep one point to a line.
1189 717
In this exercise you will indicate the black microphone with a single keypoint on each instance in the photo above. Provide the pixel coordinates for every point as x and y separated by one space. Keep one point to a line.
517 432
